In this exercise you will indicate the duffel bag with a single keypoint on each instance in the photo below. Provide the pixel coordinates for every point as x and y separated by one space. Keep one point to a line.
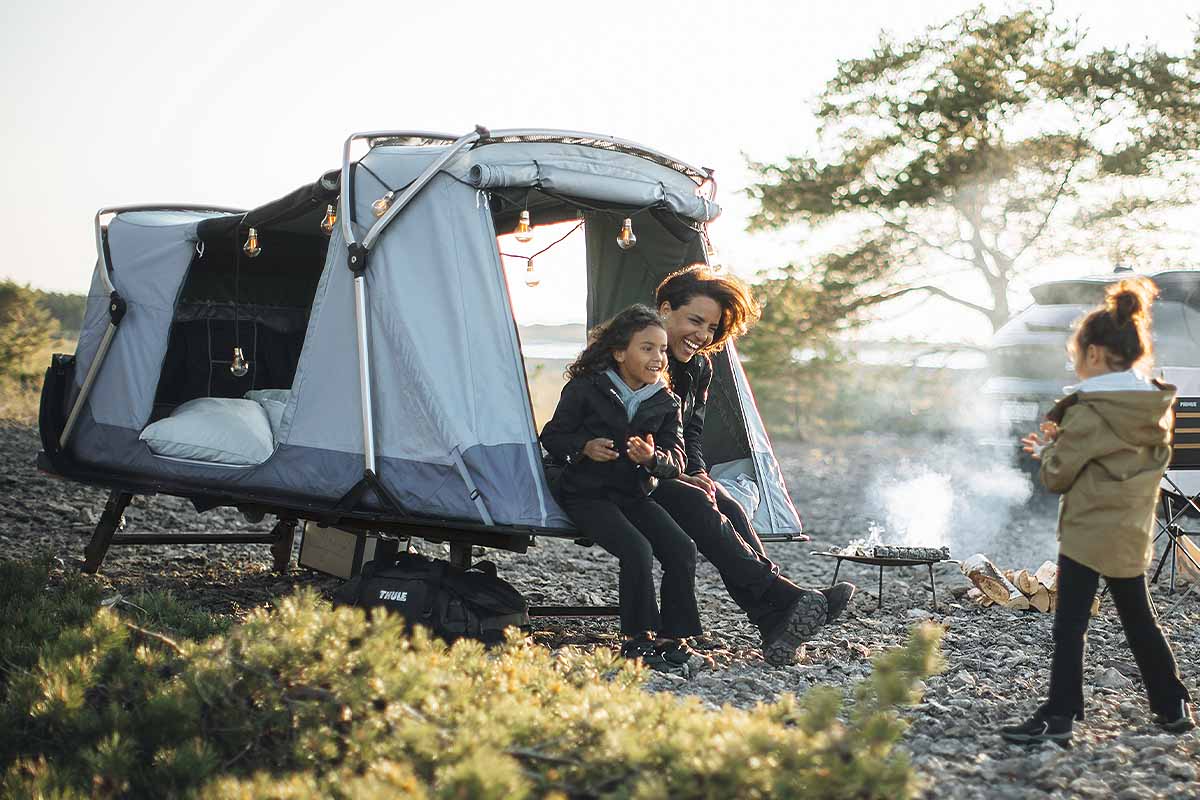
450 601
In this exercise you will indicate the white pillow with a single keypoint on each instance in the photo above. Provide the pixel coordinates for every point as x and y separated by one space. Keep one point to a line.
221 430
274 402
277 395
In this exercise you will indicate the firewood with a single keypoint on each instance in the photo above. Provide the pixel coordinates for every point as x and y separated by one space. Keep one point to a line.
1017 602
1027 583
1040 599
983 573
1096 606
1010 576
1047 575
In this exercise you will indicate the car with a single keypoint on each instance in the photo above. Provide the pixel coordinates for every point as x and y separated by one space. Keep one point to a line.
1028 364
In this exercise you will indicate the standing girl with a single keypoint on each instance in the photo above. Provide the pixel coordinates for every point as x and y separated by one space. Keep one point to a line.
617 429
1104 449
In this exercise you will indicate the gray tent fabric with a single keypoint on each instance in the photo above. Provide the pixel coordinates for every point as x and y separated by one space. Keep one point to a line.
454 431
153 249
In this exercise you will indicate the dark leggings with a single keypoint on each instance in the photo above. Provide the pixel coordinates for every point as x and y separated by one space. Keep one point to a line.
1076 589
636 531
752 579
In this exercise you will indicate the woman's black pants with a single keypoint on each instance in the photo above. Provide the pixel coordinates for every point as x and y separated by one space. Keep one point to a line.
752 579
1076 589
637 531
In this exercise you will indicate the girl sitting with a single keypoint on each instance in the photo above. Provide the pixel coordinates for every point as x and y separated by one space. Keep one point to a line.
617 430
1105 448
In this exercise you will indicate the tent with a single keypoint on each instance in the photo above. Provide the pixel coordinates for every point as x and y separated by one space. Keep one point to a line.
383 385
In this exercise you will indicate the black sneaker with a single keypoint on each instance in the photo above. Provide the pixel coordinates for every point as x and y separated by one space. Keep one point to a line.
1181 720
804 617
837 597
641 650
674 652
1040 728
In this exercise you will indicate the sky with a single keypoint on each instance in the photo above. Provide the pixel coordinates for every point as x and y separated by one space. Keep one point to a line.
236 103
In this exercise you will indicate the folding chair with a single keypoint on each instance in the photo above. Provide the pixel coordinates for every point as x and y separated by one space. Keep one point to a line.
1180 495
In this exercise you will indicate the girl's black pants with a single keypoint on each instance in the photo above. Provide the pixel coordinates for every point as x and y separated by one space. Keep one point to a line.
1076 589
637 530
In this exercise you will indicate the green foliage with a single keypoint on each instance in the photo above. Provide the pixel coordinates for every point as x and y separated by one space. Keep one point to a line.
25 328
304 701
980 144
66 307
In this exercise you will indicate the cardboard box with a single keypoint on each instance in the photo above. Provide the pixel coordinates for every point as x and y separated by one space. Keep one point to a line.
339 552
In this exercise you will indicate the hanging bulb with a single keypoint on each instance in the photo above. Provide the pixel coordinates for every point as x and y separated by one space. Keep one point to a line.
524 231
251 248
329 221
380 206
240 365
531 277
625 239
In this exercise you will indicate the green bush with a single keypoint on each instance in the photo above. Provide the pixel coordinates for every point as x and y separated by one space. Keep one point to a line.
306 701
25 328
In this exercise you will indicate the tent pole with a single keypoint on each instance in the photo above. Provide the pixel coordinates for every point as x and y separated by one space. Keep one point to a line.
364 371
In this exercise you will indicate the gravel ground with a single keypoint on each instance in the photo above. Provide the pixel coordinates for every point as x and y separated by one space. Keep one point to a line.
997 660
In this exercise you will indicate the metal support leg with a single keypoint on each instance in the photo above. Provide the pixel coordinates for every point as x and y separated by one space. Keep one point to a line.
281 549
933 586
102 537
836 570
460 555
880 586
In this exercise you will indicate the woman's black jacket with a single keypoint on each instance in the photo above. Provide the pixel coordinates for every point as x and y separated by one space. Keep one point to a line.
590 408
690 381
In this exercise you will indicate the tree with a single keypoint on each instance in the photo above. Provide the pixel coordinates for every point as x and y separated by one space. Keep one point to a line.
984 143
25 327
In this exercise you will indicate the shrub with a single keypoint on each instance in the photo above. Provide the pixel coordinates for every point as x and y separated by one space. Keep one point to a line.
307 701
25 328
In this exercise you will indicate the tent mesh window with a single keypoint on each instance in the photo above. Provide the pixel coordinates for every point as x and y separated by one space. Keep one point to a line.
228 300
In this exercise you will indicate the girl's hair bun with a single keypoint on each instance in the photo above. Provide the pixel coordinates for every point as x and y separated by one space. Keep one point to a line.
1129 300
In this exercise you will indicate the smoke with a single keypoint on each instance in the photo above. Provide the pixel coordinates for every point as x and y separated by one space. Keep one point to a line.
953 495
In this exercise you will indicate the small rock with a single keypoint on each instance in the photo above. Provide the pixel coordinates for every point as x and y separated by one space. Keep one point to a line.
1111 678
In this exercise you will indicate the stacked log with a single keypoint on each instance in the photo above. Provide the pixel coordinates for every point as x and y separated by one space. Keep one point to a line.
1018 590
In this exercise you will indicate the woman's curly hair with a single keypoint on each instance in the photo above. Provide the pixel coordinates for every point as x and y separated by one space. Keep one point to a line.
1121 325
739 309
616 334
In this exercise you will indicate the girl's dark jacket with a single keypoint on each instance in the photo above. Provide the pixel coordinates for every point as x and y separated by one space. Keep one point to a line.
690 382
590 408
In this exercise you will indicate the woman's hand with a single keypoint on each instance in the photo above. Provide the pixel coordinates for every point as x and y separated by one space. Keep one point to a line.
600 450
701 481
641 451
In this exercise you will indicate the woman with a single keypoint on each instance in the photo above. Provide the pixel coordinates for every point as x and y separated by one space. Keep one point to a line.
701 312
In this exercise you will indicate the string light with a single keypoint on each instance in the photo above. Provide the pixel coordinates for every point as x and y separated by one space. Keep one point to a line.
626 239
380 206
524 231
251 248
240 366
532 279
329 221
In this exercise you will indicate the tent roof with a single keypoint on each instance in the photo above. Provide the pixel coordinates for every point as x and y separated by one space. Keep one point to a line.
290 212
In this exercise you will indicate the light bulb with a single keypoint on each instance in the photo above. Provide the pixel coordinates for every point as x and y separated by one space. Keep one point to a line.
625 239
240 365
531 278
329 221
380 206
524 231
251 248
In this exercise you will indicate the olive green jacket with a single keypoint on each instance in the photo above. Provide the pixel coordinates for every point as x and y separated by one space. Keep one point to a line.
1107 462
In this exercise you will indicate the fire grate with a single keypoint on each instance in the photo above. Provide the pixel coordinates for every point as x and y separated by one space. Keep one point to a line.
890 556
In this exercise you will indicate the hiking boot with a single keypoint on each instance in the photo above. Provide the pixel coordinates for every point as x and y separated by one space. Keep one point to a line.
641 650
1040 728
804 617
1180 720
837 597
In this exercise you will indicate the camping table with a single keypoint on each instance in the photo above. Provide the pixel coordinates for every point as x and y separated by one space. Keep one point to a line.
884 562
